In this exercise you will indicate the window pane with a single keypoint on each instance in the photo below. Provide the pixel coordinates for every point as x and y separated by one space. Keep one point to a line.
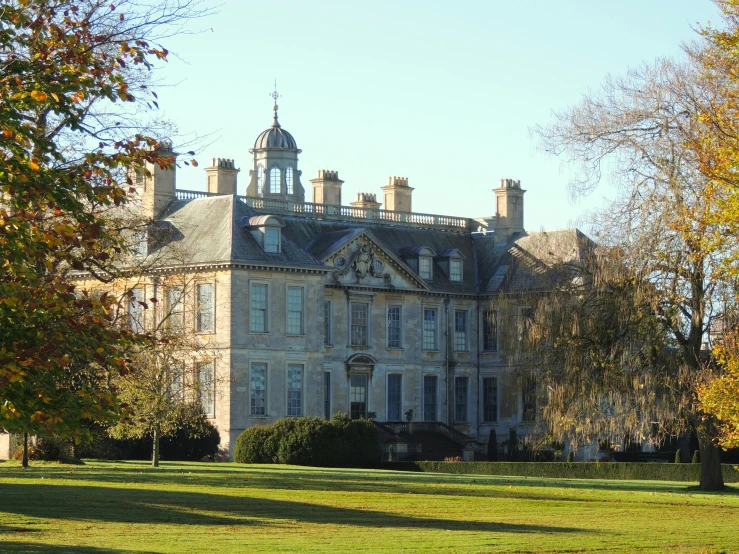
176 385
455 270
327 395
289 180
327 323
175 309
490 330
393 327
294 390
272 240
205 374
424 268
460 399
460 330
136 310
260 179
294 311
528 397
490 399
258 309
359 324
274 180
358 396
430 383
429 329
258 389
205 308
394 402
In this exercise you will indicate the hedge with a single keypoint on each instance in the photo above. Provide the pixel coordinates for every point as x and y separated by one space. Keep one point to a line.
626 471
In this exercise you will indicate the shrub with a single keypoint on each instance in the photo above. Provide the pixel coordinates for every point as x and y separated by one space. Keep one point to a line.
570 456
53 448
678 456
696 457
195 440
512 445
456 459
492 446
339 442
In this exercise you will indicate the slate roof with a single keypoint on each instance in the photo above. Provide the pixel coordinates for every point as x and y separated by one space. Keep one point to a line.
215 230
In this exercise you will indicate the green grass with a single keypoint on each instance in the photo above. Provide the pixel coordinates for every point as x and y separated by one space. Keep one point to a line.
104 507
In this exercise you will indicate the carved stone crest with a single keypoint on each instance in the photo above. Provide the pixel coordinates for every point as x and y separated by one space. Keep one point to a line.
363 263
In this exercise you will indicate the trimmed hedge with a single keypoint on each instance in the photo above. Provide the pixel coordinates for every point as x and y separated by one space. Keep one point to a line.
625 471
339 442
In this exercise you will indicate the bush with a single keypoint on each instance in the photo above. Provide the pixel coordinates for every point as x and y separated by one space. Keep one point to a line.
597 470
696 457
340 442
678 456
492 446
196 440
53 448
512 445
570 456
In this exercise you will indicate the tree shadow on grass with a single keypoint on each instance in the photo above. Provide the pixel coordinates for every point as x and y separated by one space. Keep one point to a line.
153 506
33 548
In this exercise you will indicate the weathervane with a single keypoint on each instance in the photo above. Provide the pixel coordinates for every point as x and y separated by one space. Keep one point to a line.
275 95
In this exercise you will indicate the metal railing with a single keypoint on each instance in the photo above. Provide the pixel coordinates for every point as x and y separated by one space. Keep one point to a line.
429 427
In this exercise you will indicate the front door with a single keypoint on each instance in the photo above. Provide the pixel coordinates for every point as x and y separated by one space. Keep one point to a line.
358 396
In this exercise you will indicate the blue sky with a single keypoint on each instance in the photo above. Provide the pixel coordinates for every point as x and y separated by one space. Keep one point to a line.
444 93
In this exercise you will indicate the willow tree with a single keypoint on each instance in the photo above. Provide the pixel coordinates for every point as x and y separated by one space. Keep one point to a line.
640 132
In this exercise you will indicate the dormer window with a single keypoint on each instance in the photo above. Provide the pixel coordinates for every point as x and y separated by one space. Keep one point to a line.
425 267
455 270
267 230
272 240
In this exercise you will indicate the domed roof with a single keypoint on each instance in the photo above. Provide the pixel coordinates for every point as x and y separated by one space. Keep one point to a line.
275 137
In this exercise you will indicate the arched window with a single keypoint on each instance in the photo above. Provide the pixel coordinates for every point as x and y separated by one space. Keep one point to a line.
260 179
274 180
289 179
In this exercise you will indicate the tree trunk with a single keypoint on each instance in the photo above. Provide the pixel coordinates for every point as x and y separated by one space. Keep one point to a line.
155 453
25 450
711 477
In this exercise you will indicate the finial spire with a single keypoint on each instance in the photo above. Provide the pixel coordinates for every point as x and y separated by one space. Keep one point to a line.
275 95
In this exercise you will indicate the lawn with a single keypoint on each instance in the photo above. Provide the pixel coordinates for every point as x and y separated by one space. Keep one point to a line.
104 507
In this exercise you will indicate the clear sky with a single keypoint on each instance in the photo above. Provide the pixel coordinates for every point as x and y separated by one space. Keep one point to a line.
444 93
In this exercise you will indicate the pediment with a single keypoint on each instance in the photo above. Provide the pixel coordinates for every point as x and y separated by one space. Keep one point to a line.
362 261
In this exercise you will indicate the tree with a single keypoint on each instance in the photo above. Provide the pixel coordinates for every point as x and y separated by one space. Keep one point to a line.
642 129
68 69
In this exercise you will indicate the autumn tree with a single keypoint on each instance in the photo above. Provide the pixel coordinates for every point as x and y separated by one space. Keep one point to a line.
639 131
67 69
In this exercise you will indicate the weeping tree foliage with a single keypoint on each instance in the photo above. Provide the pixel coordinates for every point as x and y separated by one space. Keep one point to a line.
639 131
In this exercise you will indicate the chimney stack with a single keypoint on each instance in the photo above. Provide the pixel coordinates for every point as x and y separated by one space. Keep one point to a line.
158 189
327 187
398 194
508 208
366 200
222 176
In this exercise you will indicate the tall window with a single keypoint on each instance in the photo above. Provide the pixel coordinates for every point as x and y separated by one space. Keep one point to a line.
136 310
207 396
526 316
274 180
260 179
327 394
424 268
272 241
430 388
490 330
328 323
258 308
461 389
528 400
176 385
394 396
393 327
489 399
258 389
141 244
460 330
175 309
204 315
289 179
294 390
359 321
358 395
294 310
455 270
429 329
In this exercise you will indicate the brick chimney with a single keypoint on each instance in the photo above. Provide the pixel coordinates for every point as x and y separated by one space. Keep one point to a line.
508 208
327 187
366 200
158 189
222 176
398 194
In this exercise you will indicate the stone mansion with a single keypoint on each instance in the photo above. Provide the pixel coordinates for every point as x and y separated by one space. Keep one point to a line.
318 307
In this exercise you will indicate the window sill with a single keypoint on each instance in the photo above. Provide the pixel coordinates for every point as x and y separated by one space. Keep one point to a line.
431 351
259 332
294 334
259 417
399 348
